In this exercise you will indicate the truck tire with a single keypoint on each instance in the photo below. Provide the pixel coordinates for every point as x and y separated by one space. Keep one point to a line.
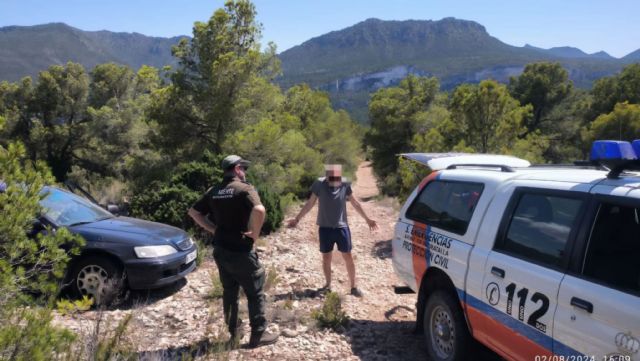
97 277
445 329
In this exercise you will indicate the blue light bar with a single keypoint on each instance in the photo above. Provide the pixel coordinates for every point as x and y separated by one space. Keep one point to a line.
612 150
636 147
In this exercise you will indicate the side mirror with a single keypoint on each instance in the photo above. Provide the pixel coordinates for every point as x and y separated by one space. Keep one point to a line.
113 208
36 227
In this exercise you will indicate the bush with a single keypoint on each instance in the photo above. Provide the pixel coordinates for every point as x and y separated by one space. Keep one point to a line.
67 307
165 203
271 202
31 267
27 334
169 201
216 286
331 314
271 280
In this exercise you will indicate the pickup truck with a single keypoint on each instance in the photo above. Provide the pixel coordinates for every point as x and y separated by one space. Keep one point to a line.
535 262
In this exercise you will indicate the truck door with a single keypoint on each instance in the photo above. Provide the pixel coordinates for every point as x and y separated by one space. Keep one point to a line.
525 268
599 301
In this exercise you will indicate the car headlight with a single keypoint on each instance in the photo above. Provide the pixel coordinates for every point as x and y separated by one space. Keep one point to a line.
185 244
154 251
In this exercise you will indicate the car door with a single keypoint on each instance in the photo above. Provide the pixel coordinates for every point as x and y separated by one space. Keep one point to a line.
599 301
525 268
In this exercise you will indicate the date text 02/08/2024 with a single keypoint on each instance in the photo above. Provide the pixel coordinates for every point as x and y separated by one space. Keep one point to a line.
583 358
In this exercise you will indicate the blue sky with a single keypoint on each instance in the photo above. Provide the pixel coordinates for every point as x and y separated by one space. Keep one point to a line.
612 25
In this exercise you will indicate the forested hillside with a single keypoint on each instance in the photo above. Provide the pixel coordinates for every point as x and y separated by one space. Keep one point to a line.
353 62
540 116
27 50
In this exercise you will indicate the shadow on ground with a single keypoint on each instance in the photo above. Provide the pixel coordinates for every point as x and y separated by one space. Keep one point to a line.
300 294
131 299
395 340
382 249
191 352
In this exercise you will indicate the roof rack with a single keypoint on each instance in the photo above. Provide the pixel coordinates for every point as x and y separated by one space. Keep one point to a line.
438 161
502 167
580 164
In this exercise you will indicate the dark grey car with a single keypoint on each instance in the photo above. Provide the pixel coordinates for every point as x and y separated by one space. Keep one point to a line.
142 254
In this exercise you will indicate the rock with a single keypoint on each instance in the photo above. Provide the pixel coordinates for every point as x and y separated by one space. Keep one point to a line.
289 333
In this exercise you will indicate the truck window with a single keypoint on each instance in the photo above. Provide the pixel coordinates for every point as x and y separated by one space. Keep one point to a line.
613 250
540 227
447 205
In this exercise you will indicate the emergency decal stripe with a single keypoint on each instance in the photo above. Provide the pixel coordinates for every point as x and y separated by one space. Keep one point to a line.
419 246
418 251
427 179
519 336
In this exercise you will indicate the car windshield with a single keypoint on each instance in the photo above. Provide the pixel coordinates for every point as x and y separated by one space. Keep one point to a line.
67 209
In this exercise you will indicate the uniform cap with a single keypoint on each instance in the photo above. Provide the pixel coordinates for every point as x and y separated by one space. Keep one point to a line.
231 160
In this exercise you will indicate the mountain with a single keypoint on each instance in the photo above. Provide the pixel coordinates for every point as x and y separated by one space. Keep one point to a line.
444 47
27 50
632 57
349 63
355 61
570 52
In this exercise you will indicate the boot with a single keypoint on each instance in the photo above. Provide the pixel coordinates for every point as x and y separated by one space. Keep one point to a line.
261 338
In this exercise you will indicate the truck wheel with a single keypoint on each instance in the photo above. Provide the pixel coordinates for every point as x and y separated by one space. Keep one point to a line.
445 328
98 278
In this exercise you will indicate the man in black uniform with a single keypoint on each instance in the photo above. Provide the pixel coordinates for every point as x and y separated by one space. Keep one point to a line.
232 211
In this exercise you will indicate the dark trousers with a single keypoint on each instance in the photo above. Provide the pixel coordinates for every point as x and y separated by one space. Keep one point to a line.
241 269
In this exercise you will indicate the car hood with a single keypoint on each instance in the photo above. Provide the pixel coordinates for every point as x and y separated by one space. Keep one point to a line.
130 230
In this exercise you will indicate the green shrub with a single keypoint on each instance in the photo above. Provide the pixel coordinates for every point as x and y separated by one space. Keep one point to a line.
331 314
33 264
169 201
216 286
271 279
165 203
112 347
271 202
27 334
67 307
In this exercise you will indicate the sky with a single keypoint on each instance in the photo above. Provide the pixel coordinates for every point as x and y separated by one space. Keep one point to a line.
590 25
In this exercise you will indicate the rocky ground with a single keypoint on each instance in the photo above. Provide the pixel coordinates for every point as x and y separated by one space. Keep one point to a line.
186 320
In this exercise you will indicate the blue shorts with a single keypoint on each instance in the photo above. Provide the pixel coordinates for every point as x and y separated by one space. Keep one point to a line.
330 236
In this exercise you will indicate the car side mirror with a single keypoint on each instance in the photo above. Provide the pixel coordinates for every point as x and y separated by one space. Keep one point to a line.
36 227
113 208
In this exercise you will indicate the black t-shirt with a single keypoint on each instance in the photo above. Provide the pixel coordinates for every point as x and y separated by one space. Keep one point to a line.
228 205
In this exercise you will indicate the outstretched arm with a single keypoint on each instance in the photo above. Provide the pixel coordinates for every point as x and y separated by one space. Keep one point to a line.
202 220
358 207
305 209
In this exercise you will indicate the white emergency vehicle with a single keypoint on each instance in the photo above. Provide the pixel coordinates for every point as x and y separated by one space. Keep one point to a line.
536 262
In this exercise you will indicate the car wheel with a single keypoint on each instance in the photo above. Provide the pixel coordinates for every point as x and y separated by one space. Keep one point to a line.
445 328
98 278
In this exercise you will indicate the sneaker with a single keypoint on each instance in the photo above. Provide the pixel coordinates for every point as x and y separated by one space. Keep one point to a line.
355 291
324 290
262 338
